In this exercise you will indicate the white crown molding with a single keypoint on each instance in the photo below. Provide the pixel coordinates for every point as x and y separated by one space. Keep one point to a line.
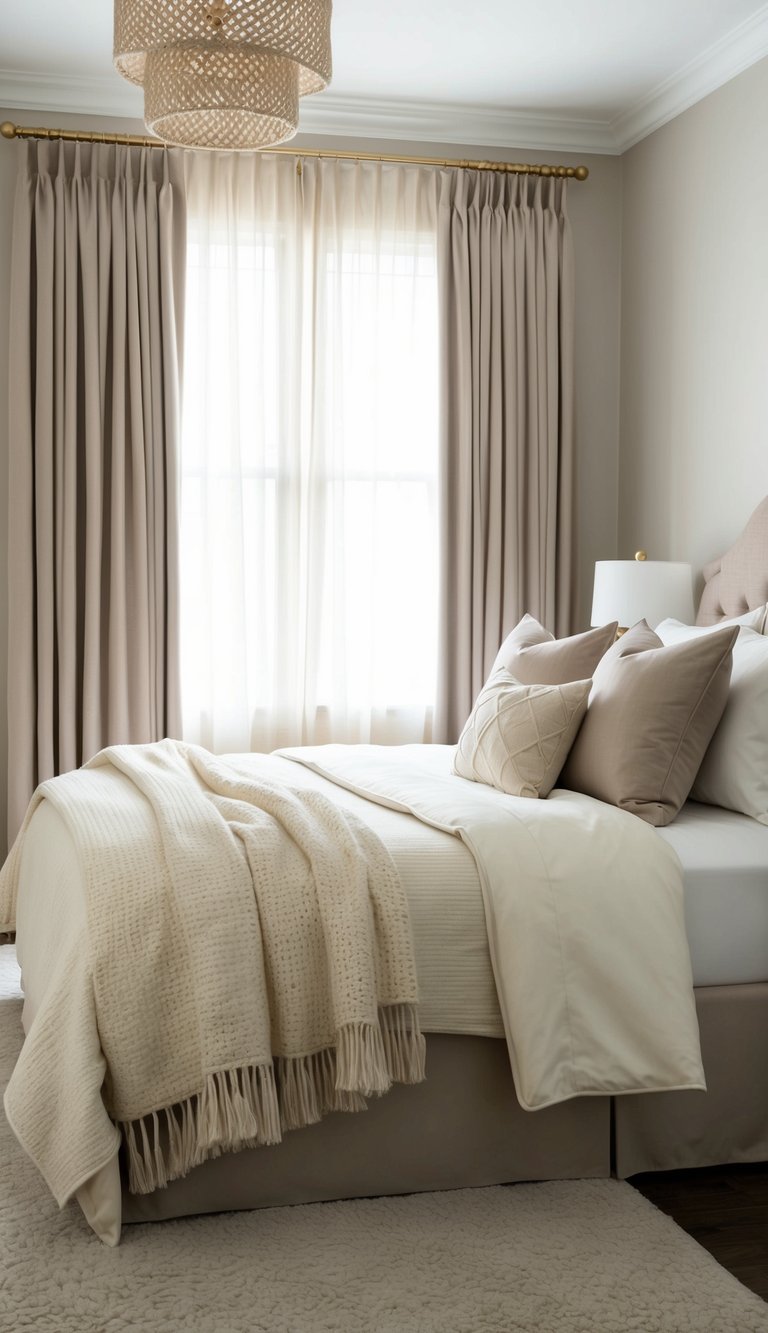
83 94
354 117
436 122
736 51
452 123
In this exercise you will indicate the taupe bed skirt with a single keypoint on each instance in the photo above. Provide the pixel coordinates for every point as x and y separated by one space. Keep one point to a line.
728 1122
464 1127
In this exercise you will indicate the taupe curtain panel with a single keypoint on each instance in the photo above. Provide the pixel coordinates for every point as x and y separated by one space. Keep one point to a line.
507 441
96 320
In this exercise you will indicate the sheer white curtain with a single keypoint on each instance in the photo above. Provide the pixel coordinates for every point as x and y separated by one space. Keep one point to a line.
309 455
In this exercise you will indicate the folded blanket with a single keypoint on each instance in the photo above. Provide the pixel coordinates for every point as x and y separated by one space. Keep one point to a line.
249 950
584 913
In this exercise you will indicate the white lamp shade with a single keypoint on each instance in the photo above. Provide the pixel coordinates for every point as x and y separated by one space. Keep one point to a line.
632 590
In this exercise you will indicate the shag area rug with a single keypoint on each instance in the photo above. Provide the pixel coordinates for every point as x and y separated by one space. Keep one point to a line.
569 1257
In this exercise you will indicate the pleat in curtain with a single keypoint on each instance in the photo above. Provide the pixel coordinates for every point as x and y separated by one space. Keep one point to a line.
507 437
96 316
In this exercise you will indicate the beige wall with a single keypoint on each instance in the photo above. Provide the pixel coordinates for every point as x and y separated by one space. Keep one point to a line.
595 211
694 364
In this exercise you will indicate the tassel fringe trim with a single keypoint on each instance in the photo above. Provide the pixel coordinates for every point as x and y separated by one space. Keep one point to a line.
252 1106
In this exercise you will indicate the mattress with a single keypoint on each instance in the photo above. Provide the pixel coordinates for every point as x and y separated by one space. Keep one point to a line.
725 866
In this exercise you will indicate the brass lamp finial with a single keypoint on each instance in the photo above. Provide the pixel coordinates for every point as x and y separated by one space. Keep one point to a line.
641 555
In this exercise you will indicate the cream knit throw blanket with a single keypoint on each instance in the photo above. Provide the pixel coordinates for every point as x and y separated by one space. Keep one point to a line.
250 951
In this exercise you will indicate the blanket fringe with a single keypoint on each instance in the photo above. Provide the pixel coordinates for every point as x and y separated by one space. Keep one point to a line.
252 1106
404 1046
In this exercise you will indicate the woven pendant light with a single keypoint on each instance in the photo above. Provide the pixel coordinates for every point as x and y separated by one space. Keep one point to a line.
224 73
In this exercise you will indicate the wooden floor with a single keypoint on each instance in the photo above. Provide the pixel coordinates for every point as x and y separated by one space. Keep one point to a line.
725 1209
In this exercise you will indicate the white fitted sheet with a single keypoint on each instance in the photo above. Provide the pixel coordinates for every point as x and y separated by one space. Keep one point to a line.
725 864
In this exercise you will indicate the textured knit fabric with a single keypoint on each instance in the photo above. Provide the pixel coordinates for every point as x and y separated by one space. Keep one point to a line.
250 956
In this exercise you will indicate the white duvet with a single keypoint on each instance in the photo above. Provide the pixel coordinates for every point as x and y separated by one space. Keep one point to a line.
584 913
583 906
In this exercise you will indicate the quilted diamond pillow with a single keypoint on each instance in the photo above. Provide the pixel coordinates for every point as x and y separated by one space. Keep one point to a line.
517 737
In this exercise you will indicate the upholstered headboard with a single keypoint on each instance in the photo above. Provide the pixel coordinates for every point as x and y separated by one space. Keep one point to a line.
738 581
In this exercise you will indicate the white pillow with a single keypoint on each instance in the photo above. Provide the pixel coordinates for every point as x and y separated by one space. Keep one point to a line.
750 620
734 771
517 737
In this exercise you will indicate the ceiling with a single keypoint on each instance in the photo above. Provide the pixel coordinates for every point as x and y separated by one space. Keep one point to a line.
589 75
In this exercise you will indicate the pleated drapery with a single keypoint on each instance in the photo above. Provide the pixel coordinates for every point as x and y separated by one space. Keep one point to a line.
507 438
96 314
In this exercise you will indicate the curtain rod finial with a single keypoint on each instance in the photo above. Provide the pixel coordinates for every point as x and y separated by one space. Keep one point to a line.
581 173
8 129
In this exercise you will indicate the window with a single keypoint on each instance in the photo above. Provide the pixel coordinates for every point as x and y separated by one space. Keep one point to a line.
309 480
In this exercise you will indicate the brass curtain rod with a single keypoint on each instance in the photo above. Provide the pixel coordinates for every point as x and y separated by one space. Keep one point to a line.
11 131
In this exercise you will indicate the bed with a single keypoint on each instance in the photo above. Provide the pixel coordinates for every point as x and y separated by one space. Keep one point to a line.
469 1127
464 1124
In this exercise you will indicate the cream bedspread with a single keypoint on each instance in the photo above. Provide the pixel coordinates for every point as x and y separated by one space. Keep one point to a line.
583 906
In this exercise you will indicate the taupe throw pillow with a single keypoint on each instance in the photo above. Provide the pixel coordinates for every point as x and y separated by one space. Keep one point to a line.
638 639
535 657
652 713
517 736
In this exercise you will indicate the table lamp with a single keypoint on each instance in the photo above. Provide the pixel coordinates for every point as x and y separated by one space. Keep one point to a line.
642 589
